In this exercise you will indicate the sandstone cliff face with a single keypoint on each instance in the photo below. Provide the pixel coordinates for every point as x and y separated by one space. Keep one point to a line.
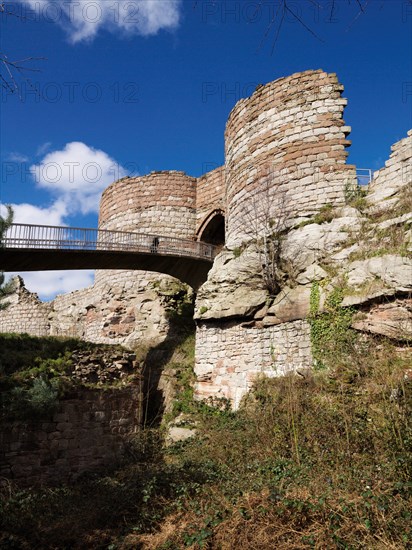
364 249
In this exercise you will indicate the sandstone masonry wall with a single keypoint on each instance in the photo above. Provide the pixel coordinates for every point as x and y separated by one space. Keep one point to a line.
285 149
210 194
285 145
122 307
26 313
87 432
397 171
230 356
162 203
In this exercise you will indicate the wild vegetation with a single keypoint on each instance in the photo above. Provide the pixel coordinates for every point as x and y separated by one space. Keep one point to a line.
318 459
36 372
321 460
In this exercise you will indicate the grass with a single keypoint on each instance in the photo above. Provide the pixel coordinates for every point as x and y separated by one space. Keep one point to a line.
402 206
376 242
325 215
323 461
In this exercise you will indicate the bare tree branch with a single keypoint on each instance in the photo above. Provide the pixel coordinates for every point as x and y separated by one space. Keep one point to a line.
360 12
279 28
265 225
360 6
10 71
302 22
332 9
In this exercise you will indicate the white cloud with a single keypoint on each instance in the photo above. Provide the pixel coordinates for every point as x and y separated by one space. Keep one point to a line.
28 213
43 148
49 283
77 175
17 157
83 19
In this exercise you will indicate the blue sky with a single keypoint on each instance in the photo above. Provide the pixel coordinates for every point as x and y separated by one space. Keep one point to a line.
131 86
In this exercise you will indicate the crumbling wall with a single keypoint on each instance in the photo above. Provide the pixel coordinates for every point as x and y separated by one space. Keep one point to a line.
122 307
396 173
25 313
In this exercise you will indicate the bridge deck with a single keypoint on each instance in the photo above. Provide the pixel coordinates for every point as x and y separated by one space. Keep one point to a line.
39 247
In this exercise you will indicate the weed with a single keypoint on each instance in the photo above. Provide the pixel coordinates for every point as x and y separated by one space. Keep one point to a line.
355 196
325 214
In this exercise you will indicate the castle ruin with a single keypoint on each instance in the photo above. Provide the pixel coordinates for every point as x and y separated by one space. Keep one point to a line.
285 146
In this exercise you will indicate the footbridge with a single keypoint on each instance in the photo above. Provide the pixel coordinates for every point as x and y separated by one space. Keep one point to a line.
27 247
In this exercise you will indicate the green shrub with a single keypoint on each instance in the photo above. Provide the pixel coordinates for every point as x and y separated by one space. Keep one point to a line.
42 397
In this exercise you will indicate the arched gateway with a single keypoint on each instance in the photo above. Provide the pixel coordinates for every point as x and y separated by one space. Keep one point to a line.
212 229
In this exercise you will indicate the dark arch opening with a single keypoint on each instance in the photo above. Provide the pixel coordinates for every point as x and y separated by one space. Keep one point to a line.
213 230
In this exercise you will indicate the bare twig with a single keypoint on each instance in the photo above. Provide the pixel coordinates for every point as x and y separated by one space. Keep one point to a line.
302 22
278 31
360 12
360 6
332 9
9 70
265 222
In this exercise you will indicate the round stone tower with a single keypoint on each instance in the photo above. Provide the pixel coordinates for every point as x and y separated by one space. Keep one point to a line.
161 203
285 152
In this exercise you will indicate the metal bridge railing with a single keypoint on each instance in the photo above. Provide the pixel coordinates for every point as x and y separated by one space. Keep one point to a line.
364 176
29 236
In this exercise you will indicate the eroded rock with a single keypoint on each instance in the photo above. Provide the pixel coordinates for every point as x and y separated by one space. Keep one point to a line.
393 320
234 288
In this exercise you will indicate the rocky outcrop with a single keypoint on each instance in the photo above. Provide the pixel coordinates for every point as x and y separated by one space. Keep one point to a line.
363 249
313 242
234 287
376 278
393 320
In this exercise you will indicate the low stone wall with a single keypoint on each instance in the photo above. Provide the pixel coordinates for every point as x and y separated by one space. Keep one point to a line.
230 356
86 433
